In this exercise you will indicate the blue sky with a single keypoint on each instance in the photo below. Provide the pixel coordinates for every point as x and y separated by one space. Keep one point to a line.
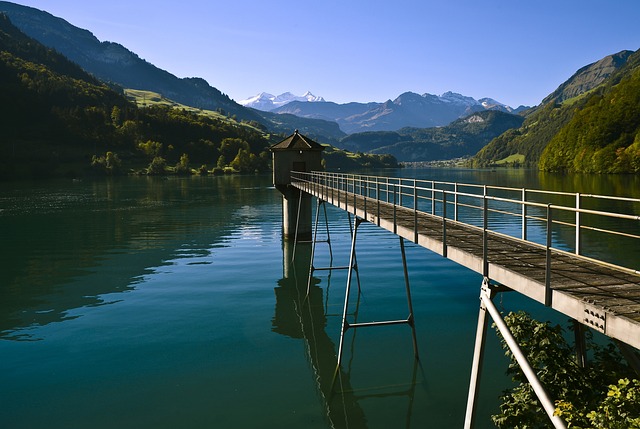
515 51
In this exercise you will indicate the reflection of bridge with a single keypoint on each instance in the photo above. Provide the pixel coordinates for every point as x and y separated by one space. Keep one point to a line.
472 225
301 313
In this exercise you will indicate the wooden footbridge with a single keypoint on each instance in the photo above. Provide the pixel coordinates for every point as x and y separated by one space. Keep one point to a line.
534 242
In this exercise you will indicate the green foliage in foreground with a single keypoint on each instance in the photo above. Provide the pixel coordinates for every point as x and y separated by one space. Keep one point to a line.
603 395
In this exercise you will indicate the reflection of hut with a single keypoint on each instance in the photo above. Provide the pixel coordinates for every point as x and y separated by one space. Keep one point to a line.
295 153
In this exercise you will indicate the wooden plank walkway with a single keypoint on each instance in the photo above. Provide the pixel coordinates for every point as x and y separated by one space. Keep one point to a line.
601 296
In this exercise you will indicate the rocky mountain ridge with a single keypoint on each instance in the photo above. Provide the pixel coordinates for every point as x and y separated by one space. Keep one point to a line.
407 110
267 102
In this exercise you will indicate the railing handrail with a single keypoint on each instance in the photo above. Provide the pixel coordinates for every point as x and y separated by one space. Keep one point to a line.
412 192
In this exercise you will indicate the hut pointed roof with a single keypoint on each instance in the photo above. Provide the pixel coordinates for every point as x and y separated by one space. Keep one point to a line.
297 141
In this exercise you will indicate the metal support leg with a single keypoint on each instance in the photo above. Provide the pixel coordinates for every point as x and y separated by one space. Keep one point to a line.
345 324
478 357
580 344
531 375
630 354
312 267
410 318
353 265
487 305
313 246
326 224
295 234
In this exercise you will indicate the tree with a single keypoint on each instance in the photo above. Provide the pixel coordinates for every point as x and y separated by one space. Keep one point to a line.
182 167
157 166
109 164
229 148
151 148
581 394
221 163
116 116
244 162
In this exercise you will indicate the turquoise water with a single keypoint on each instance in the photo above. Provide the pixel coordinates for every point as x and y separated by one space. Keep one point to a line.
150 303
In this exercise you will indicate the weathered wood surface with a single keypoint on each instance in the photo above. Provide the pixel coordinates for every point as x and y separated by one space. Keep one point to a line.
600 296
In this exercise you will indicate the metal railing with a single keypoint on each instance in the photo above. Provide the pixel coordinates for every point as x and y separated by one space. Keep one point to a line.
571 223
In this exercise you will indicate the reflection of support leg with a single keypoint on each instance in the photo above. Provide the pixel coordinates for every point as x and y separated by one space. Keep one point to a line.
412 393
580 343
478 355
630 354
313 245
345 324
410 318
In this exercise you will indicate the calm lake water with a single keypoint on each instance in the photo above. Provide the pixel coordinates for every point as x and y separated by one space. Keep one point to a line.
149 303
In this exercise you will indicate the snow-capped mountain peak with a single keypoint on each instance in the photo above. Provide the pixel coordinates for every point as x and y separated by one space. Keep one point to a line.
265 101
491 104
454 97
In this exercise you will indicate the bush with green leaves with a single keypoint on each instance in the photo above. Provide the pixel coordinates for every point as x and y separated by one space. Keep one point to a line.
597 396
108 164
157 167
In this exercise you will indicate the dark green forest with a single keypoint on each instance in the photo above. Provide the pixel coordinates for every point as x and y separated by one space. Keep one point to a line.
597 131
601 137
56 120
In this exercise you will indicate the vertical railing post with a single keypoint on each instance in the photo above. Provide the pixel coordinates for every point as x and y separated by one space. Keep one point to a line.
485 233
355 197
415 212
433 197
378 199
395 194
578 241
364 190
444 223
524 214
338 186
387 192
547 271
455 201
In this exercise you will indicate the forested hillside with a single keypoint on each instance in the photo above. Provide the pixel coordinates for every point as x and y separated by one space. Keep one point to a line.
57 120
463 137
589 124
603 136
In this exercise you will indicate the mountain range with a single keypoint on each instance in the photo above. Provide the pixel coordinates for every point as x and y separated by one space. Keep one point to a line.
407 110
460 138
557 125
115 64
57 120
267 102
